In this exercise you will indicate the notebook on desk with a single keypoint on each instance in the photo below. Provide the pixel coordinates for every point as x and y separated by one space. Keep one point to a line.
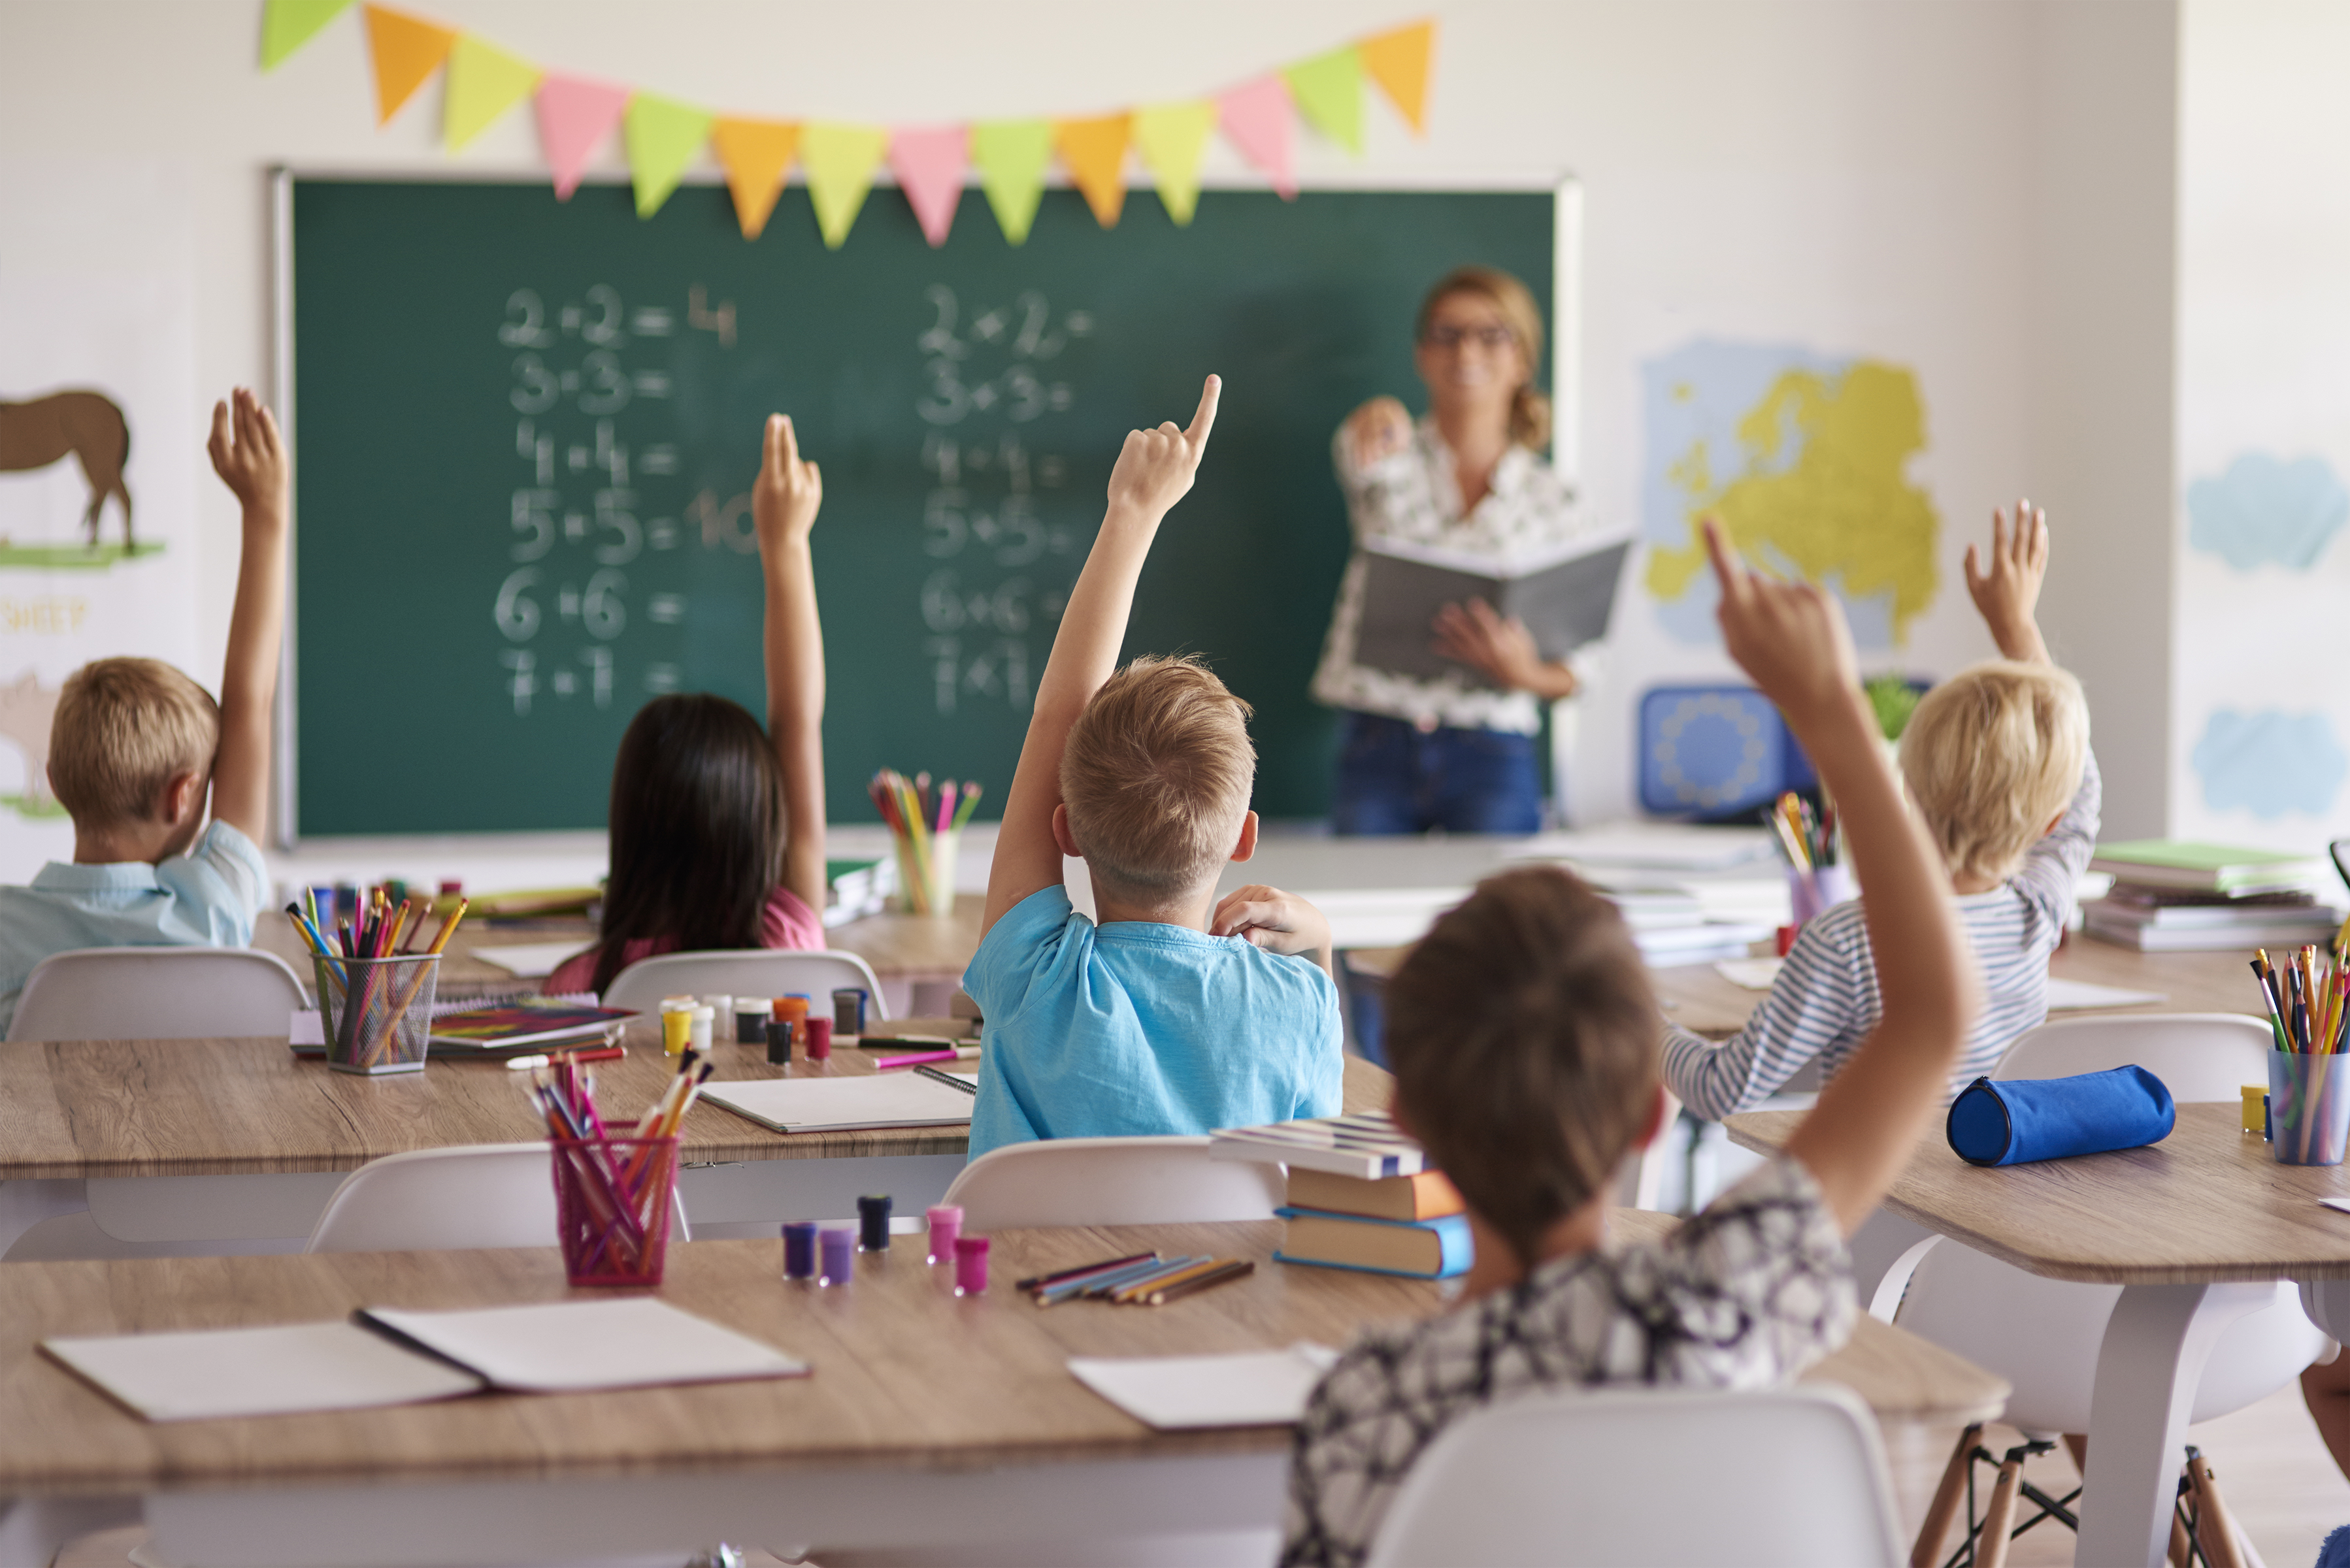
904 1099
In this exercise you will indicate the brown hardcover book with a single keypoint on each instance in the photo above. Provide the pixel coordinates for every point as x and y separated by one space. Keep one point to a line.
1426 1195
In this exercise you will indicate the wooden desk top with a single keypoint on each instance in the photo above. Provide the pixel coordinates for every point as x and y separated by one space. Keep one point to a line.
905 1373
2207 1203
216 1107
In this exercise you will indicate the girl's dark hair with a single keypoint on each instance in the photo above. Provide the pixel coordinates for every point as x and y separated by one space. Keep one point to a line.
697 825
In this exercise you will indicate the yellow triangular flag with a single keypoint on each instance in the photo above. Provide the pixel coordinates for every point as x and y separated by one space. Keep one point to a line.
662 136
287 24
1095 151
840 160
755 153
1170 137
1011 155
404 51
484 81
1397 61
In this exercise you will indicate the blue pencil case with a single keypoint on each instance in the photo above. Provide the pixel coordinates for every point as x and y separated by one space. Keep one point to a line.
2023 1119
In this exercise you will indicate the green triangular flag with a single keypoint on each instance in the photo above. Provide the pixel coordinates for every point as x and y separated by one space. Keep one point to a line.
1011 156
1329 93
840 161
484 81
287 24
662 135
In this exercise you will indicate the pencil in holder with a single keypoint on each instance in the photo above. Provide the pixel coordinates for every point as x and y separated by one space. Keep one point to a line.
612 1204
379 1012
926 873
926 828
2309 1107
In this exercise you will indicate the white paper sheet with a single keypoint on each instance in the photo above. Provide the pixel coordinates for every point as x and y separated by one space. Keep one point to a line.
902 1097
530 960
1172 1392
562 1347
2067 995
1753 974
1663 846
213 1373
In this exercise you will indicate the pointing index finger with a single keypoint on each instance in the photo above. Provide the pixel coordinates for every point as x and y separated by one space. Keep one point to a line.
1728 569
1205 419
791 443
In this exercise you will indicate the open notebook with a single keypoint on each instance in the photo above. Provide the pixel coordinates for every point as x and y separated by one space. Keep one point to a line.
1173 1393
384 1356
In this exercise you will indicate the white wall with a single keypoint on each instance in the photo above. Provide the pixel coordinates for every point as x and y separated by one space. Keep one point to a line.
1861 177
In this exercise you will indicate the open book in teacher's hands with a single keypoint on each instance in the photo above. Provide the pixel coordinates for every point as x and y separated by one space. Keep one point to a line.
1564 593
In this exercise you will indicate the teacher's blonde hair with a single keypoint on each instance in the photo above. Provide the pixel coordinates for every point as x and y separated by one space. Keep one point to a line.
1529 409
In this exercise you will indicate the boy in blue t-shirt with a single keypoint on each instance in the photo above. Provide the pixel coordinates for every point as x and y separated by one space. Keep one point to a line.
1175 1013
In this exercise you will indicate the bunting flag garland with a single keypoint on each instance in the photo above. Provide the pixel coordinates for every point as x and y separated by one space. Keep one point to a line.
1329 93
575 115
1397 61
1172 136
287 24
840 161
754 153
662 135
1010 157
1095 153
405 50
1255 117
484 81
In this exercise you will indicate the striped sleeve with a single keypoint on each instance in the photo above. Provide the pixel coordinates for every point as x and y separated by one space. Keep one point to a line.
1824 999
2051 869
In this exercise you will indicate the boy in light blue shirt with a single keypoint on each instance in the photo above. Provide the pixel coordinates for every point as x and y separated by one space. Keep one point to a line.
136 747
1175 1013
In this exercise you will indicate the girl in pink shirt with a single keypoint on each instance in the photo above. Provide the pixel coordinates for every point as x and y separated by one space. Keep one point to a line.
718 827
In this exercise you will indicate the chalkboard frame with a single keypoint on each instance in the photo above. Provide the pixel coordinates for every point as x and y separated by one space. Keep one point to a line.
1564 379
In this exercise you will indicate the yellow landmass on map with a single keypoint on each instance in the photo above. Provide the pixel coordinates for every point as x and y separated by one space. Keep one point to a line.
1841 508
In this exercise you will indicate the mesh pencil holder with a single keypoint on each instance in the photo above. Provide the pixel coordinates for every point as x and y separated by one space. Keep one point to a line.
378 1011
612 1204
926 876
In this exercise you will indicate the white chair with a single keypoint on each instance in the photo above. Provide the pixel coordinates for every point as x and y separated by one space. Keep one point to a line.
1795 1476
1112 1181
437 1199
157 993
760 972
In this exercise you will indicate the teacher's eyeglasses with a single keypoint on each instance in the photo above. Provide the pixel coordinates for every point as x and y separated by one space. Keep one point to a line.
1491 339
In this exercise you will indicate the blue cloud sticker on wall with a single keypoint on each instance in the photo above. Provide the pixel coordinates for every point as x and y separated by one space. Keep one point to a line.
2266 510
2270 763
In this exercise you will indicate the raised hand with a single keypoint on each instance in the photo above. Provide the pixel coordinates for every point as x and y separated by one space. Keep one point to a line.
784 503
248 453
2007 591
1379 428
1156 466
1790 637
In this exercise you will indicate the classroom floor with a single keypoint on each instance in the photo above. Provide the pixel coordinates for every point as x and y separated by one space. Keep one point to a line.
2272 1468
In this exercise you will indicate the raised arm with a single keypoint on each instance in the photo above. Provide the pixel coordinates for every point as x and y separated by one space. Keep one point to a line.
1154 471
2007 591
783 507
1792 639
249 455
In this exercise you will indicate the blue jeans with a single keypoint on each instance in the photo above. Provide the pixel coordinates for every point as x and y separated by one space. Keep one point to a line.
1392 779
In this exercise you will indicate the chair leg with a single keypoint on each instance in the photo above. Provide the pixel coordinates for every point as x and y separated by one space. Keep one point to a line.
1927 1551
2215 1527
2181 1550
1999 1514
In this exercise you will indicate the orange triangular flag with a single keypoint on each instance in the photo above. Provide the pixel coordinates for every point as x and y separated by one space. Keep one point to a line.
406 50
1397 61
755 153
1095 150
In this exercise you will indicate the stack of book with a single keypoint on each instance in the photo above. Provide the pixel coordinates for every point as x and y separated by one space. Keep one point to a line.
1361 1197
2170 897
856 888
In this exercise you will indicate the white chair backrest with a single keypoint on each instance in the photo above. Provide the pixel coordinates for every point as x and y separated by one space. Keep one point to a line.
2198 1056
157 993
1112 1181
1792 1476
769 971
439 1200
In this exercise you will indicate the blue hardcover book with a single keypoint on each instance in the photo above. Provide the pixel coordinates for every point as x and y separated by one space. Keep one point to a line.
1422 1249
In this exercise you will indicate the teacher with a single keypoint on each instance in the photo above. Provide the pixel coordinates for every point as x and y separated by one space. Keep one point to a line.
1418 753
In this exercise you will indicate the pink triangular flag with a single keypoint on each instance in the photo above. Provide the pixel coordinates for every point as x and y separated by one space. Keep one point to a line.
1256 117
575 115
929 165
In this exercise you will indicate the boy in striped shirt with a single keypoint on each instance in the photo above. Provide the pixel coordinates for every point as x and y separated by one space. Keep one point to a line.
1991 758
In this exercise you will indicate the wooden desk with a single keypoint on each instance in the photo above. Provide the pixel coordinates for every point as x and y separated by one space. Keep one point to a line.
2171 1223
928 1420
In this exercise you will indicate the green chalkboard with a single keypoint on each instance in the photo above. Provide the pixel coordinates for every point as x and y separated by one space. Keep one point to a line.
526 433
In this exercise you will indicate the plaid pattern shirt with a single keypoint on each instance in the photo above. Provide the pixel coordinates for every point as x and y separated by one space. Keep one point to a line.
1745 1295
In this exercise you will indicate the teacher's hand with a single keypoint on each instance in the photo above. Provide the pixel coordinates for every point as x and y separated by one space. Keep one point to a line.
1474 635
1379 428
